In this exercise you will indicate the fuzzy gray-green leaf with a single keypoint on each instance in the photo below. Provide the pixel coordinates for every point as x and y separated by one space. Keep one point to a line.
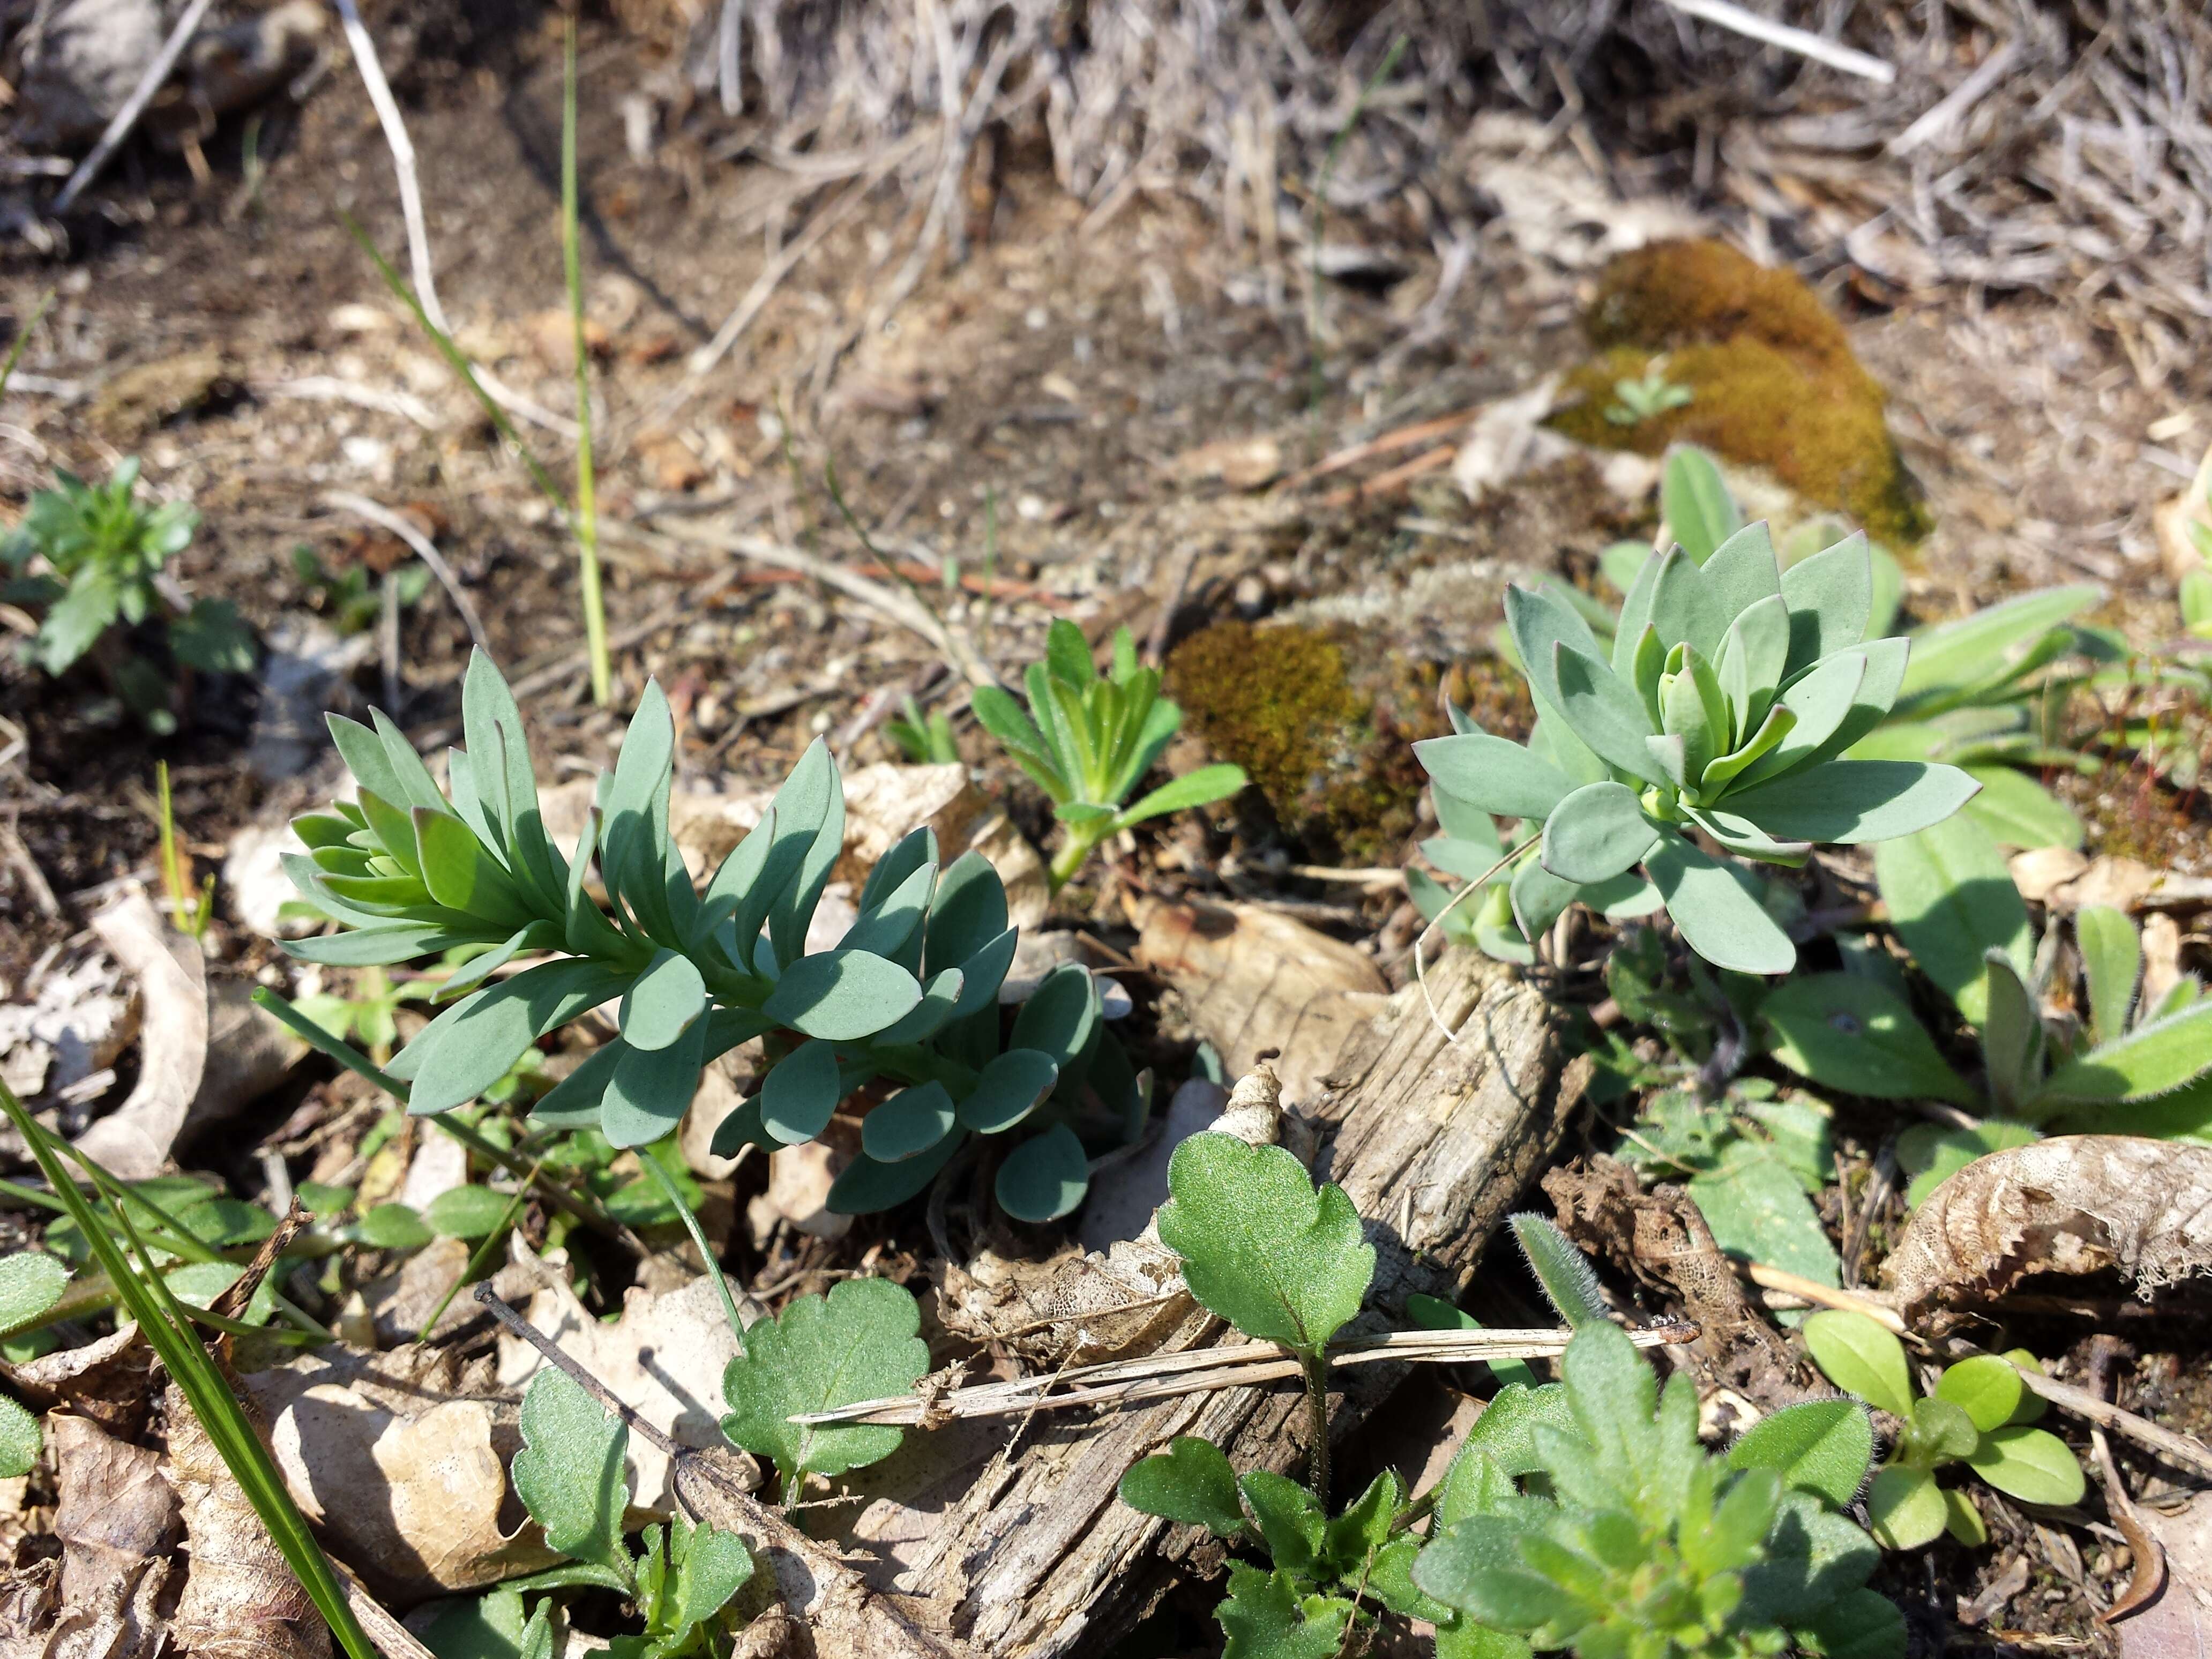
1595 833
571 1473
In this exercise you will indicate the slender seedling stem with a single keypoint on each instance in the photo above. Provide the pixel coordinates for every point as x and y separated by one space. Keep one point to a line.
23 337
1316 1369
667 1184
480 1258
587 503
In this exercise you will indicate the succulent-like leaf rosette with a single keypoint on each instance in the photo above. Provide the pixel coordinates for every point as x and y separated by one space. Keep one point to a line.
907 998
1720 715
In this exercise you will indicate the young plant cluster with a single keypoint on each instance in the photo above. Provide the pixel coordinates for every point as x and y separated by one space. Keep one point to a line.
905 1000
1981 1414
1580 1515
90 558
1733 688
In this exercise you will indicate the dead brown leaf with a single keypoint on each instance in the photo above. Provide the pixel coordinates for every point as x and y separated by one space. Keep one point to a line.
664 1358
401 1458
242 1600
2076 1204
134 1140
2178 1623
116 1511
1661 1236
1257 982
106 1380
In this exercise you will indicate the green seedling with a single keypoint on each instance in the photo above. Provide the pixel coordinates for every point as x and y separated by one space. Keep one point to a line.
1980 1415
2196 520
1986 692
1733 691
1646 399
1583 1516
572 1476
1281 1261
1089 739
348 598
90 557
189 912
924 739
858 1343
2131 1066
908 996
1325 1574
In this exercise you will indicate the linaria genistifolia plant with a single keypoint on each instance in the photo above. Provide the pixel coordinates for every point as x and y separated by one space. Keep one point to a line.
1089 739
1733 691
2134 1065
1979 1416
908 996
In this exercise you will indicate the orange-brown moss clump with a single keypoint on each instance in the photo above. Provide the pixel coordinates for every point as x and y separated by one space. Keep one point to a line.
1333 758
1772 378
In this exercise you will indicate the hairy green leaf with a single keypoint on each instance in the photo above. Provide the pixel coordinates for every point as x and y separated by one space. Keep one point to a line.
1190 1483
572 1472
1822 1447
1261 1247
1849 1031
1951 898
858 1343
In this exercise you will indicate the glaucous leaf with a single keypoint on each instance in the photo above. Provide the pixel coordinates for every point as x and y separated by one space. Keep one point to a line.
842 996
858 1343
651 1089
1008 1090
1717 909
662 1001
1596 833
1261 1248
1830 596
1849 802
800 1093
1494 773
1694 500
1045 1177
909 1123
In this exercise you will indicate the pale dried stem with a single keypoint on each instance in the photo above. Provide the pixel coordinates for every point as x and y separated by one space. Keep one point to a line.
1205 1370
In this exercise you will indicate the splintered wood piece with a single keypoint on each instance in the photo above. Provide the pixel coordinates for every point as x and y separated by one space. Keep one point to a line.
1435 1141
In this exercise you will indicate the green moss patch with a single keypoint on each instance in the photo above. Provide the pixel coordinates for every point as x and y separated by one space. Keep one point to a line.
1772 378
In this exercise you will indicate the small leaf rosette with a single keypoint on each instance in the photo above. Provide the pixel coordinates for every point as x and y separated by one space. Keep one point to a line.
1718 720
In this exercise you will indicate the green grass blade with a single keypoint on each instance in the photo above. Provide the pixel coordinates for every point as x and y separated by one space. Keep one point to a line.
588 501
23 337
165 1322
458 362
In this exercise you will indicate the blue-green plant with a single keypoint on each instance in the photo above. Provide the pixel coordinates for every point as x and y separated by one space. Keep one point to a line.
1089 739
88 557
2127 1065
907 997
1586 1517
1733 688
1980 1415
348 597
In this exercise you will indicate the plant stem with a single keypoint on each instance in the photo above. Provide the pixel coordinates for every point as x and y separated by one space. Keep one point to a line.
1069 859
1318 1425
588 505
699 1238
